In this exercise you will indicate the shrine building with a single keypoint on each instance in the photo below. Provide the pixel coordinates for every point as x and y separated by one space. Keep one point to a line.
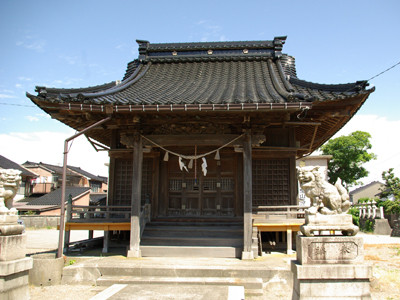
204 134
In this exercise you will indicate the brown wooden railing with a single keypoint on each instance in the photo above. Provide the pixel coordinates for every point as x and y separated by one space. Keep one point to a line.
107 212
279 212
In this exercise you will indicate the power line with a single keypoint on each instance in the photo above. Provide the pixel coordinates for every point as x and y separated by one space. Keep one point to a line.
13 104
384 71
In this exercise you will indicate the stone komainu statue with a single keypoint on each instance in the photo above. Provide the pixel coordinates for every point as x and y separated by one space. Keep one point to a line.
10 180
326 198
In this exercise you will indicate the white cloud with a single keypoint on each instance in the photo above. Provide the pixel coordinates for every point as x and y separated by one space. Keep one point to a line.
18 85
31 43
23 78
385 143
72 60
210 31
5 96
32 118
48 147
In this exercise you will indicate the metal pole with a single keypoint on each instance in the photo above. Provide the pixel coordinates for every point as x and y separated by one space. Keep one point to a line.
64 184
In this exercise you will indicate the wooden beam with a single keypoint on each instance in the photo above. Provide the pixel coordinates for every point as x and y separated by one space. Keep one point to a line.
313 138
190 140
97 226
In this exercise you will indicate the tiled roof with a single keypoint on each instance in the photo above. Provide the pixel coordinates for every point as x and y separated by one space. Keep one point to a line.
71 170
224 81
54 198
208 73
5 163
98 199
85 173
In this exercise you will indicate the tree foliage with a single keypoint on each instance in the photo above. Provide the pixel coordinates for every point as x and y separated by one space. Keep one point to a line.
349 153
392 185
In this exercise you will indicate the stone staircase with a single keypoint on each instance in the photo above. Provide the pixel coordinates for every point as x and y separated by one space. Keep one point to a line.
184 276
192 238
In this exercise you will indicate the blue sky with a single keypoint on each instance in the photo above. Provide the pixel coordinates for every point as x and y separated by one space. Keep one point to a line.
82 43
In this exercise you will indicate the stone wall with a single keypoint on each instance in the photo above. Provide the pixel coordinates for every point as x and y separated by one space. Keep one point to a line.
40 221
396 228
392 218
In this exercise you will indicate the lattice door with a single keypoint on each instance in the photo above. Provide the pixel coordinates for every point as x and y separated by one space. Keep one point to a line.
271 182
123 181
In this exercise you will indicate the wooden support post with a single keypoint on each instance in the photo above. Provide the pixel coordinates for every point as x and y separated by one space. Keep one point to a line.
247 198
90 234
289 241
134 245
105 241
68 218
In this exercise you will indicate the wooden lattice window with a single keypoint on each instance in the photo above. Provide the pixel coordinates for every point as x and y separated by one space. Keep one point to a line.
123 181
271 182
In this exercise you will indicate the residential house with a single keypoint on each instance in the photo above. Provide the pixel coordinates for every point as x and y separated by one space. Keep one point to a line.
27 176
50 178
49 204
370 190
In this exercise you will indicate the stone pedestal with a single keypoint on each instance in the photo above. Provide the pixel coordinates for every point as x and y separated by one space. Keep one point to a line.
319 222
14 278
14 266
330 267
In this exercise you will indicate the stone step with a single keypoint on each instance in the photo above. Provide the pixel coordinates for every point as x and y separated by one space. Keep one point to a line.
253 286
196 224
191 251
168 292
196 230
206 241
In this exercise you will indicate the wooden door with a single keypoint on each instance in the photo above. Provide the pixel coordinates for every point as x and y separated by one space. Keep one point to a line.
194 194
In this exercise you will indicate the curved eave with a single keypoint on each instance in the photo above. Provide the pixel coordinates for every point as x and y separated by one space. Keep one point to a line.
333 116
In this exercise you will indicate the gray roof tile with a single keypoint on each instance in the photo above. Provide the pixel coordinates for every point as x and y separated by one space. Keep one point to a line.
208 73
54 198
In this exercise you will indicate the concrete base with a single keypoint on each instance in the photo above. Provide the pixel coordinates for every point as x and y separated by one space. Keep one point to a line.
330 268
382 227
14 279
134 253
47 270
247 255
12 247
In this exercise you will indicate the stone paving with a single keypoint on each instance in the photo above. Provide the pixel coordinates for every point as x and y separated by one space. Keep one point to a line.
47 239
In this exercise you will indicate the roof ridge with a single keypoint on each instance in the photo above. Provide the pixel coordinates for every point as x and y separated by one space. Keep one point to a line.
276 42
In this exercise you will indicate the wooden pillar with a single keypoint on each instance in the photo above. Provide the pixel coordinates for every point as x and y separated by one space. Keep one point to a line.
106 239
134 245
247 198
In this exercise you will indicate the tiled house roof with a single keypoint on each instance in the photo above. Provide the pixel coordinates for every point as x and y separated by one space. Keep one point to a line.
51 168
85 173
54 198
5 163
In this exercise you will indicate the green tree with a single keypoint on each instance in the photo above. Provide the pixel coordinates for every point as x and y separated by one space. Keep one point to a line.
349 153
392 185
